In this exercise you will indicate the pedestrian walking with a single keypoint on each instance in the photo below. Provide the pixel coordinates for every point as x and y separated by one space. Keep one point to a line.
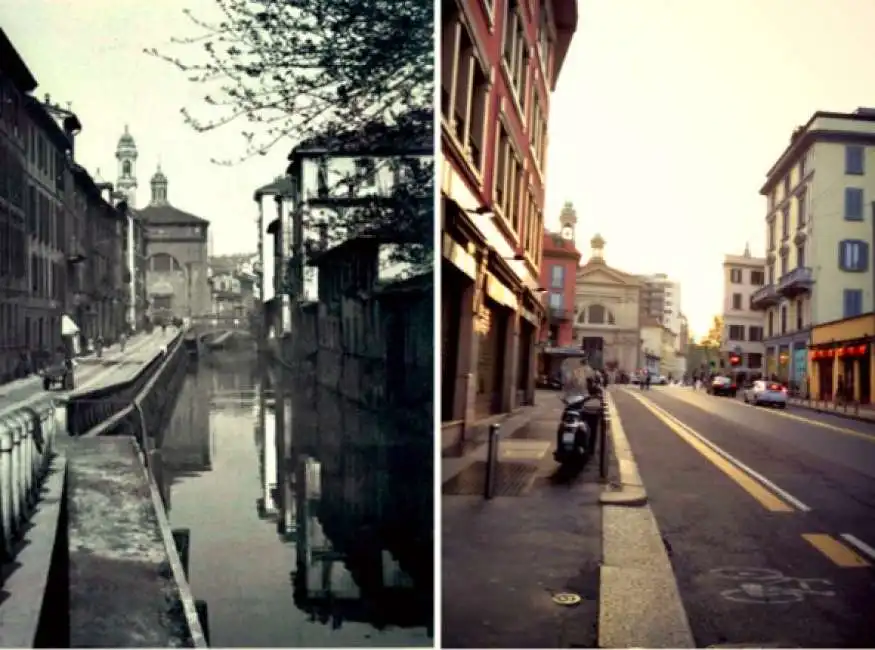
122 341
647 380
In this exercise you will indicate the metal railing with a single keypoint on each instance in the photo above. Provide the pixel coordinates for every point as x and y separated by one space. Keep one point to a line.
27 438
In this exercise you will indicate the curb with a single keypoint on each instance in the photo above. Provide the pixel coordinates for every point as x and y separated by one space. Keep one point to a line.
835 413
639 601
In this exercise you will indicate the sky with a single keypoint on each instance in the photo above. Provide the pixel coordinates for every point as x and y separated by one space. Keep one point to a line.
90 53
668 114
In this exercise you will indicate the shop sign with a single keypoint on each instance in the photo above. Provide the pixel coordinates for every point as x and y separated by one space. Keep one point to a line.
459 257
500 293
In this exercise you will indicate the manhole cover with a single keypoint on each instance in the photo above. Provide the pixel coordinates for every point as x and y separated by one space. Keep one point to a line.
511 480
566 599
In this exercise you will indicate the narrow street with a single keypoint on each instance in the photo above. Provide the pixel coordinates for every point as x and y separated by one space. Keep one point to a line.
768 515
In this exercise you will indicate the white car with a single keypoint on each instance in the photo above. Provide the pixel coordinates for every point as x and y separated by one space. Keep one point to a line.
766 392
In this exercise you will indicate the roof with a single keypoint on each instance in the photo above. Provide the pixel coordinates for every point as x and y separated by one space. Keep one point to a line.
46 122
565 17
281 185
167 214
126 140
804 136
554 244
14 66
410 134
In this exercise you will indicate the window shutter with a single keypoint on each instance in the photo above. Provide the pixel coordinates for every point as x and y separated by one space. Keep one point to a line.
848 297
843 246
864 256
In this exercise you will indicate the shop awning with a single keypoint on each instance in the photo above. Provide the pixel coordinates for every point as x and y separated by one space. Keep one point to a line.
68 326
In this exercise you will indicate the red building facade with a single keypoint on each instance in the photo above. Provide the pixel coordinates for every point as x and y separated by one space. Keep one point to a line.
558 273
500 62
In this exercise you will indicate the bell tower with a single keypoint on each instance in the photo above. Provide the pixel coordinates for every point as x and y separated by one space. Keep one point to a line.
567 222
126 154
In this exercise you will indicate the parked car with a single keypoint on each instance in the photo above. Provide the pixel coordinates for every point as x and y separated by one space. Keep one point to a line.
766 392
724 386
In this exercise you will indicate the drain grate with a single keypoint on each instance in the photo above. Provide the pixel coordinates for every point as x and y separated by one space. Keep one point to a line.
512 479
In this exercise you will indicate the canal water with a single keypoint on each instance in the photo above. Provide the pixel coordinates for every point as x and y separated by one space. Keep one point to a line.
311 520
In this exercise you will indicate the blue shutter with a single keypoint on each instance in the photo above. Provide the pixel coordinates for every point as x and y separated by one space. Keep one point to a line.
863 265
848 306
858 302
843 255
854 159
853 204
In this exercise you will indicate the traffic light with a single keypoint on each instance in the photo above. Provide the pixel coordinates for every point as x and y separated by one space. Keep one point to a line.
734 359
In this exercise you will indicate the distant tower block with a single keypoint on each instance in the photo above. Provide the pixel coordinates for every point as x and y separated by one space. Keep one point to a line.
126 154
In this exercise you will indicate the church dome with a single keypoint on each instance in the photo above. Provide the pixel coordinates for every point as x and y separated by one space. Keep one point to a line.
127 140
159 176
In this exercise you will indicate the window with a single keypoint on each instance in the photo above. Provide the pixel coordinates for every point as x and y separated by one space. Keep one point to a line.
757 278
557 276
785 222
736 301
853 204
854 160
786 186
544 42
755 333
556 299
596 314
800 255
802 166
772 235
771 323
516 50
509 180
754 360
365 171
853 255
464 85
126 168
784 263
802 217
853 302
783 319
735 276
800 312
736 332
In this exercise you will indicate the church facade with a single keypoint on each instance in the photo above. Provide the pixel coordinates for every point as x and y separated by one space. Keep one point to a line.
607 313
175 260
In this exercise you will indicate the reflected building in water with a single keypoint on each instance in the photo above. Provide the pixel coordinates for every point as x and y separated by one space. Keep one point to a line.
348 489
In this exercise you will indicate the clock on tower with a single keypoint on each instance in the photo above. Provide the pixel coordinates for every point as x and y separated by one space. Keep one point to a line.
567 233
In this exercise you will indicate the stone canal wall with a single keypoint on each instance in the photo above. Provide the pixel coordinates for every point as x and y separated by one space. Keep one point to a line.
376 349
96 563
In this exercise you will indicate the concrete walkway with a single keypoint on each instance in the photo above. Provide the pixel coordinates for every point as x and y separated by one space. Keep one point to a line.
508 560
861 413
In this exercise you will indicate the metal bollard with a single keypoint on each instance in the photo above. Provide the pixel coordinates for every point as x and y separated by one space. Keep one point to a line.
491 461
603 440
6 520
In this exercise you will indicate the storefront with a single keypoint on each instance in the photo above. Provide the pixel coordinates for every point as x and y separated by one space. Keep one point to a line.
841 359
786 358
489 325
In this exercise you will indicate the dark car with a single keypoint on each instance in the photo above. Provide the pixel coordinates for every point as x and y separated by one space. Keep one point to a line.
723 386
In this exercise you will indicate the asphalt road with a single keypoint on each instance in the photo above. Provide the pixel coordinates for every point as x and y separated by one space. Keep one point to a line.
753 504
90 372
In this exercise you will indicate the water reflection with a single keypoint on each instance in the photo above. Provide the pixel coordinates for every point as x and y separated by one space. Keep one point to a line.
313 530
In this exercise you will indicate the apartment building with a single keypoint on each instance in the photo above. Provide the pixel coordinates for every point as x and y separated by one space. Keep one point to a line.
742 347
661 299
819 235
500 63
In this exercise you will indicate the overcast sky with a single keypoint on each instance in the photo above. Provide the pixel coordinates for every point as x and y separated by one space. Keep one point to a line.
89 52
668 113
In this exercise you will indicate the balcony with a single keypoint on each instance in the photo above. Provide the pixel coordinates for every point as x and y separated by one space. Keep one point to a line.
796 282
764 297
559 315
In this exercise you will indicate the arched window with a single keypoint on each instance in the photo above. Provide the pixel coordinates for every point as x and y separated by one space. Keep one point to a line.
164 263
599 315
126 168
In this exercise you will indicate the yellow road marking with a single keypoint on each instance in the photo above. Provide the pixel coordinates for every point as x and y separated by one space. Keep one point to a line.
799 418
766 498
840 554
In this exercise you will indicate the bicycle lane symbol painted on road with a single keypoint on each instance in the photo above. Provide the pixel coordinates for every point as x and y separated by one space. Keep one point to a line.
770 587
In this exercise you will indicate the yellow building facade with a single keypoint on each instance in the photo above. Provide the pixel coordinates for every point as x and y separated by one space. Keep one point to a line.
827 174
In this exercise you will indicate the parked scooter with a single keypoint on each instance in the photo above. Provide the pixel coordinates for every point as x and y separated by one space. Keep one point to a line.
581 420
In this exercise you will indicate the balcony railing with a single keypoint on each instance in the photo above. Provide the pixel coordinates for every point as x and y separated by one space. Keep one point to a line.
559 314
797 281
765 296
